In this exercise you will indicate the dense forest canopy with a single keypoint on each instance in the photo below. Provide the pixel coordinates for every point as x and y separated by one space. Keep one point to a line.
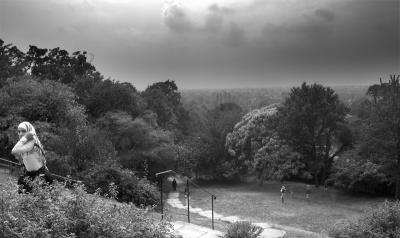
101 130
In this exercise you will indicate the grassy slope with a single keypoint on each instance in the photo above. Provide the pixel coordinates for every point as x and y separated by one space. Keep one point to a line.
262 204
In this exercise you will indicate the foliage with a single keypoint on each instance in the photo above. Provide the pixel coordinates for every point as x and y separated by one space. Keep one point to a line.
45 101
163 98
220 121
372 165
101 96
140 145
50 106
57 212
358 171
11 62
58 65
248 136
243 229
312 121
380 222
130 188
385 126
276 160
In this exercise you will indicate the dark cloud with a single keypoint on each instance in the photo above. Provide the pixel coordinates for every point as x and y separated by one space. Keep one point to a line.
325 14
215 8
235 35
214 20
213 23
176 18
250 43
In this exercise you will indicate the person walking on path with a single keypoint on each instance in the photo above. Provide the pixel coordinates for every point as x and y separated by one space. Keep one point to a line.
29 151
174 184
283 191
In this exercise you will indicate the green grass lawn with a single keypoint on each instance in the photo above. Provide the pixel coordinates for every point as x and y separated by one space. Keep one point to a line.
262 204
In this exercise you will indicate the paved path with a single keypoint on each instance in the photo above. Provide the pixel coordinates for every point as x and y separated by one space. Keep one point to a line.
190 230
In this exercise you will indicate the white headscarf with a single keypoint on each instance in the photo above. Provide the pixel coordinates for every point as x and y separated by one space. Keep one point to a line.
29 128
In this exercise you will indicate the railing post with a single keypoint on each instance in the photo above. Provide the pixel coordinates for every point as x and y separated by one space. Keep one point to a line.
162 207
212 211
188 203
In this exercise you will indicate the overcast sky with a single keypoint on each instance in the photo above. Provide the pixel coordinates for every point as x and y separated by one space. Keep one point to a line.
217 43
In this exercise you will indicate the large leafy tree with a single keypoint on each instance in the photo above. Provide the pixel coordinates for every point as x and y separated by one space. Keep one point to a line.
276 160
164 99
11 62
102 96
385 126
220 121
58 65
312 122
255 145
141 145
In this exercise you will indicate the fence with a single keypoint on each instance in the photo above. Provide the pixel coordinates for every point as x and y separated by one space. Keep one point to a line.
11 163
187 191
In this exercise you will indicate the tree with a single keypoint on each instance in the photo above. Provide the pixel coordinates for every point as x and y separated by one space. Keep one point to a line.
102 96
312 122
45 101
220 121
385 124
11 62
164 99
247 136
140 146
58 65
276 160
256 145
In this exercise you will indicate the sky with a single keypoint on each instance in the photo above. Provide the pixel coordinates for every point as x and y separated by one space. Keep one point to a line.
217 43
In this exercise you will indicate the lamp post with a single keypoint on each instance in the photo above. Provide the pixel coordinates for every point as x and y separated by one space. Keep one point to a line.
188 199
161 190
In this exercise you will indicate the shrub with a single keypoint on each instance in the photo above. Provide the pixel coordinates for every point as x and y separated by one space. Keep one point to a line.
381 222
243 229
57 212
130 188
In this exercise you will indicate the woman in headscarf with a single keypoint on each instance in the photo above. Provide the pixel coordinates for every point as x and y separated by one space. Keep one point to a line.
31 152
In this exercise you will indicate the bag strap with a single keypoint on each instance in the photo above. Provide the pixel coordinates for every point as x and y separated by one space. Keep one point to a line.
43 154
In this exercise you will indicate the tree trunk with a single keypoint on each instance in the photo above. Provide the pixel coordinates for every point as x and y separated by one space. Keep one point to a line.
316 180
318 167
397 193
262 175
260 181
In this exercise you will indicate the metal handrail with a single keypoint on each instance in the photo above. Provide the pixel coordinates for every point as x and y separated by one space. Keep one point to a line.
55 175
198 186
213 197
9 161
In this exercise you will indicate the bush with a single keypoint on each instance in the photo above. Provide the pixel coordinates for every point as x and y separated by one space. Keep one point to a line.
380 222
130 188
243 229
358 174
57 212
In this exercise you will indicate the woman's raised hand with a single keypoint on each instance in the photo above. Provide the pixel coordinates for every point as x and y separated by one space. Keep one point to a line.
28 136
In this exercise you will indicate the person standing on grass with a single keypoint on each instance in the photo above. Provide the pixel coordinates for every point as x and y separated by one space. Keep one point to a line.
283 191
308 191
30 152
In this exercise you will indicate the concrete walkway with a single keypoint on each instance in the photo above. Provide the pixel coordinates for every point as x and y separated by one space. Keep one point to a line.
189 230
